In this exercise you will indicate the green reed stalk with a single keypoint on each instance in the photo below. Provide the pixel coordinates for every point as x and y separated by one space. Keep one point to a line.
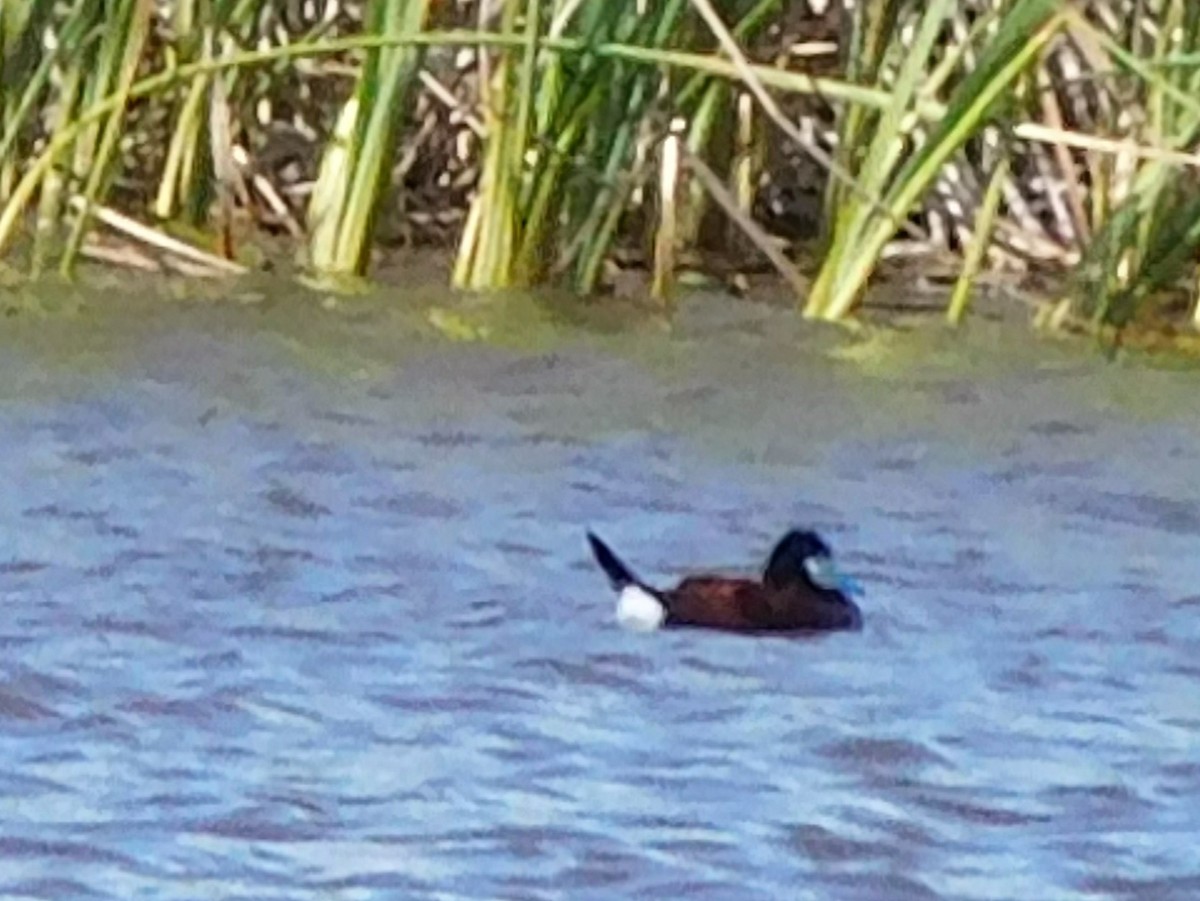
195 40
981 239
558 146
381 98
1150 242
872 162
120 53
713 110
595 88
81 34
862 229
569 93
873 23
1161 114
185 183
630 98
72 128
487 255
24 77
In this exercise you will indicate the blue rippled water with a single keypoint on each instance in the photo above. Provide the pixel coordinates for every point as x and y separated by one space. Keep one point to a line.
277 629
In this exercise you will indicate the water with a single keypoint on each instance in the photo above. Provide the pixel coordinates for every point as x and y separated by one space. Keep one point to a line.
298 606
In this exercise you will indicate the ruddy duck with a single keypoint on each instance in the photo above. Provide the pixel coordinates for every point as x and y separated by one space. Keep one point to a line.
801 590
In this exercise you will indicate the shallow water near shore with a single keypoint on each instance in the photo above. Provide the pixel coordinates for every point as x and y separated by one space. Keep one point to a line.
298 606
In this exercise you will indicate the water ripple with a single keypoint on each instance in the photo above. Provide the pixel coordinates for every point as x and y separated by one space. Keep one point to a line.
271 633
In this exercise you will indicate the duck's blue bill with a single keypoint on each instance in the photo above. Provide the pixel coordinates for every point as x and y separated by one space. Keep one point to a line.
850 585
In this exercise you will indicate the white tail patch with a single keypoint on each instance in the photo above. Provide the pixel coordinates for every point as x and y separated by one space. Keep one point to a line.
638 610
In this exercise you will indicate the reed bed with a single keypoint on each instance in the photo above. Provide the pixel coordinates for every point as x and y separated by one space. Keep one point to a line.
551 141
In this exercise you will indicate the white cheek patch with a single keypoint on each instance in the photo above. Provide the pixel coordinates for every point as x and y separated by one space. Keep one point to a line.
822 572
638 610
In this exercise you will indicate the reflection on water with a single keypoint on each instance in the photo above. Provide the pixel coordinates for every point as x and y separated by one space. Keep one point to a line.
306 612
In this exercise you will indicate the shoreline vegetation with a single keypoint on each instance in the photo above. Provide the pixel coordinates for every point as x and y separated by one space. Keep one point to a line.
1048 145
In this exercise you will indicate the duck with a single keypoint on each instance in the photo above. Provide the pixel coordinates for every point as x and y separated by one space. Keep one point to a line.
801 590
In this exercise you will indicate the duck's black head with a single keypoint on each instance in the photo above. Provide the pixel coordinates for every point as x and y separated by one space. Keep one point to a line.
802 557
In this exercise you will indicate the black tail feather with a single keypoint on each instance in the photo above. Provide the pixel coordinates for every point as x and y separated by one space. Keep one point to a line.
619 575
